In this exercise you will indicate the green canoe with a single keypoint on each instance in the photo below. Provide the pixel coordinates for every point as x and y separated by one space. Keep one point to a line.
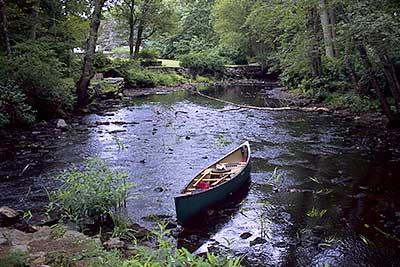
214 183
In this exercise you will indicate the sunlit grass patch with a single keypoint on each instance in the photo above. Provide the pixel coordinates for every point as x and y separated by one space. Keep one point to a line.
170 63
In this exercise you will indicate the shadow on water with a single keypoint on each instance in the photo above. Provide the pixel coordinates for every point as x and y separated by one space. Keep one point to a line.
199 229
333 203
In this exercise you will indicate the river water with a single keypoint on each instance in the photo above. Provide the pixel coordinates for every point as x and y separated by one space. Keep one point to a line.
331 202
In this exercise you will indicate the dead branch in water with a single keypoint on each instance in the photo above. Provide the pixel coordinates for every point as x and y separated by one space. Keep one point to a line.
312 109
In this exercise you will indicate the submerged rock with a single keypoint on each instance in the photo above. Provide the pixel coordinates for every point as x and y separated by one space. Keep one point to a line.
245 235
258 241
61 124
8 216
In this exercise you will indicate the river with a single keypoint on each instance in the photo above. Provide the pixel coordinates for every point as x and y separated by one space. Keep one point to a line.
331 202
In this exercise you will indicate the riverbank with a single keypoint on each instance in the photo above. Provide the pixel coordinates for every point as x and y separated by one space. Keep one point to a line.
169 131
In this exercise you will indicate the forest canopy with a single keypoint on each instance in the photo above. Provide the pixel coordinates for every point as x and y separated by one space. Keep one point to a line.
339 50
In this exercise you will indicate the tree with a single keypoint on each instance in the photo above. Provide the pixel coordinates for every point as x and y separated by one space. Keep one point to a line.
4 30
140 20
87 73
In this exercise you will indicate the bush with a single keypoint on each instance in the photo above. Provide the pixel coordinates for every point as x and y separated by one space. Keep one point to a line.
352 101
37 71
13 106
94 192
101 62
149 54
203 63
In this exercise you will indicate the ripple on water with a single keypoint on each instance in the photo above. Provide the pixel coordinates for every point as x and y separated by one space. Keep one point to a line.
163 141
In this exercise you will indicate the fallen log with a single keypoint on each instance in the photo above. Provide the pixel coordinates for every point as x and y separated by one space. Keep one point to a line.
240 106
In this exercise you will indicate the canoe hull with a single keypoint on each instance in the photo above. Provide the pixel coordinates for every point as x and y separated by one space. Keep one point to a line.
188 206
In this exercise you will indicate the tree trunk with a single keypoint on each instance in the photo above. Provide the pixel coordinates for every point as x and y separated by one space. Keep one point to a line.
374 82
333 22
351 71
138 40
391 78
131 28
87 73
326 29
4 30
35 19
315 30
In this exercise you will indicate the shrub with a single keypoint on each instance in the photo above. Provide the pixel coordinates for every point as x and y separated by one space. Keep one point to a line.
203 63
149 54
352 101
37 71
93 192
101 62
13 106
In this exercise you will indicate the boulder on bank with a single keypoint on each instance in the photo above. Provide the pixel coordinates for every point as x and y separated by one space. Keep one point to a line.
8 216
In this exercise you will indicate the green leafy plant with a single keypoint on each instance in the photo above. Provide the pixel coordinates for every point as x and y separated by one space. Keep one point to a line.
150 54
276 176
315 213
203 63
101 61
14 108
94 191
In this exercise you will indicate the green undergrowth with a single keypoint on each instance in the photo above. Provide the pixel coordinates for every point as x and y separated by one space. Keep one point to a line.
93 191
163 253
13 259
140 77
348 100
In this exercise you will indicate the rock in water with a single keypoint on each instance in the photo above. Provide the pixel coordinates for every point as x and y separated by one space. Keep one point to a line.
114 243
61 124
8 216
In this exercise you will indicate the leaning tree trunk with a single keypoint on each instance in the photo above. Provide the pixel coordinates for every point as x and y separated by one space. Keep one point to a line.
351 71
4 30
391 78
374 82
138 40
315 37
87 73
326 29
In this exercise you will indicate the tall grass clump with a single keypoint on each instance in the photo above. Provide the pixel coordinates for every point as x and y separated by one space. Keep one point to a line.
94 192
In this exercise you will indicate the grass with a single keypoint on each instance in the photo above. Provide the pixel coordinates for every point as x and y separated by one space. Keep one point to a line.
170 63
95 191
315 213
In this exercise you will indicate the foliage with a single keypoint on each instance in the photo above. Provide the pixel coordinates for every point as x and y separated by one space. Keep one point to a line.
36 69
194 31
315 213
92 192
164 253
101 62
13 106
13 259
203 63
137 76
150 54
